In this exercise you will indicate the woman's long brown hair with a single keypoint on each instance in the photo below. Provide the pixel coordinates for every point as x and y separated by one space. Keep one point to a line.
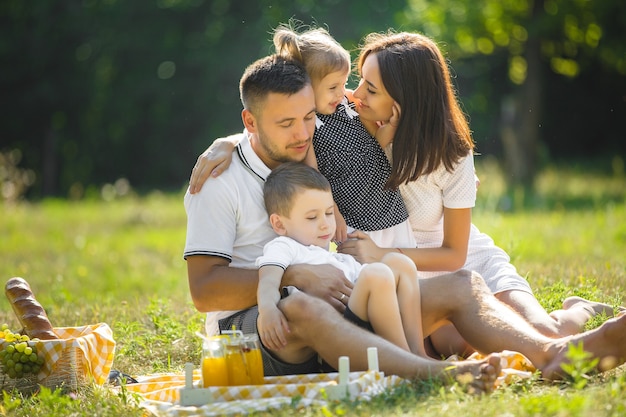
432 129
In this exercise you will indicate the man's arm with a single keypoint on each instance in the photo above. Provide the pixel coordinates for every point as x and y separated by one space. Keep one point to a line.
322 281
215 286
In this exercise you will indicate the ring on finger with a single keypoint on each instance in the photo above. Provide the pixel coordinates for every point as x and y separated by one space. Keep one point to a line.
342 297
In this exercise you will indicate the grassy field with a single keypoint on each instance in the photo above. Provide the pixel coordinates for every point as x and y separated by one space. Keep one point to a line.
120 262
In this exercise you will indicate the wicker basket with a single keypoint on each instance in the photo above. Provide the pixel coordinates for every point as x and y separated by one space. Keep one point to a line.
67 373
26 385
79 356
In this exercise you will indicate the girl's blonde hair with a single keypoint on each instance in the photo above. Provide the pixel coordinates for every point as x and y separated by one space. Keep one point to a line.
319 52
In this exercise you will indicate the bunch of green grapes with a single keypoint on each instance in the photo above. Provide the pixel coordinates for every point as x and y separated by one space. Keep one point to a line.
19 356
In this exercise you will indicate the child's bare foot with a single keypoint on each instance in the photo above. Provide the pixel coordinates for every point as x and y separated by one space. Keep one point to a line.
607 343
592 307
477 376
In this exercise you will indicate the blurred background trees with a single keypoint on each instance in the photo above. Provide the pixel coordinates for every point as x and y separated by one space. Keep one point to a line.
98 90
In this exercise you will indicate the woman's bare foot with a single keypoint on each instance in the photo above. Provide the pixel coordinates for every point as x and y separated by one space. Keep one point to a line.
607 343
592 307
476 376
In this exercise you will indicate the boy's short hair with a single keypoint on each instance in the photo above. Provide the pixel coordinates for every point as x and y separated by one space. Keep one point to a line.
272 74
286 181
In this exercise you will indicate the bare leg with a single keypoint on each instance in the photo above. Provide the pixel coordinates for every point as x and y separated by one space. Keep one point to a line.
571 320
491 326
447 341
607 343
409 299
592 306
568 321
316 326
374 300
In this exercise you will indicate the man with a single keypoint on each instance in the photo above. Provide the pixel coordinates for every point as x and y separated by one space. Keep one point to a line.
228 226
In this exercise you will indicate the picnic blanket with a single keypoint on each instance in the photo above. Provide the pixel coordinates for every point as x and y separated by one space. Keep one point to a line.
515 366
161 392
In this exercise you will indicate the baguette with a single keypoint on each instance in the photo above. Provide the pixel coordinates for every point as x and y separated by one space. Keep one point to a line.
29 312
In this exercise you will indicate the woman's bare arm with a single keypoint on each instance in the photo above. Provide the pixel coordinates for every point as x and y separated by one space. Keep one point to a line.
213 161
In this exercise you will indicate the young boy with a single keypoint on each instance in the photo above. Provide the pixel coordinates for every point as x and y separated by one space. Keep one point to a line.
385 298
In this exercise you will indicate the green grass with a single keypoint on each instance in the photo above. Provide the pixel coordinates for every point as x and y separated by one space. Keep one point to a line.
120 262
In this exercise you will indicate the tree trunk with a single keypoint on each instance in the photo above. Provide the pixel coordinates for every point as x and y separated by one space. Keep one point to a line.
522 115
49 169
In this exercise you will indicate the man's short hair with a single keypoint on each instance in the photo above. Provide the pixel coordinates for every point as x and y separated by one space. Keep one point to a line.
272 74
286 181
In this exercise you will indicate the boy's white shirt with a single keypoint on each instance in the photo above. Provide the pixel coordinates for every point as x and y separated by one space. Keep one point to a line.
284 251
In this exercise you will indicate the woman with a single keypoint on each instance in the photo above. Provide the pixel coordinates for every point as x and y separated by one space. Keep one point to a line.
432 164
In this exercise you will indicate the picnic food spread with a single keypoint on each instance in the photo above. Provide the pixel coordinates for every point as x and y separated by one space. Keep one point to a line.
29 312
56 358
19 356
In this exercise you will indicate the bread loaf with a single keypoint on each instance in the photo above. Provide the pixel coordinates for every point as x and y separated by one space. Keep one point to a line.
29 312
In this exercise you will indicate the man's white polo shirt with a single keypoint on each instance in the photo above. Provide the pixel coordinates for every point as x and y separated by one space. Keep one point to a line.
227 218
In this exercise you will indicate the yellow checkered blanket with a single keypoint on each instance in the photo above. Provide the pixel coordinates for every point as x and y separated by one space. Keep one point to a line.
161 392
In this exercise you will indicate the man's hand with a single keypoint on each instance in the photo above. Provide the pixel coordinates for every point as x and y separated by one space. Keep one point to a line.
322 281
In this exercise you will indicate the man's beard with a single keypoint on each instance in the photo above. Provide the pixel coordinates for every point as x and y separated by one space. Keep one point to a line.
273 152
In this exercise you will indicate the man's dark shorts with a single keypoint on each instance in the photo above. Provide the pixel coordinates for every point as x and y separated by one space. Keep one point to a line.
351 317
246 321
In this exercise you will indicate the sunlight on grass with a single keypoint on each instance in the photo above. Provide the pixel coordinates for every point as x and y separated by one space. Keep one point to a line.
120 262
115 247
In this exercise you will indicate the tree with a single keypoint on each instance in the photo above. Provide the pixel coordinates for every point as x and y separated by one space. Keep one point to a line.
99 90
526 42
95 90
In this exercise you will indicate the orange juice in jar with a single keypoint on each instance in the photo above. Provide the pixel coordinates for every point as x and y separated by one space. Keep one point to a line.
253 359
235 362
214 367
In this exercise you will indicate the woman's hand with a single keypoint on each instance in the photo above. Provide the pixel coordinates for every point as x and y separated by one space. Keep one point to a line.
396 111
387 130
362 247
212 162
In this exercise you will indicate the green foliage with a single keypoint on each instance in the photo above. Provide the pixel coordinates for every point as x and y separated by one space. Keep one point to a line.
102 90
14 181
572 33
90 401
580 366
555 405
520 66
10 402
